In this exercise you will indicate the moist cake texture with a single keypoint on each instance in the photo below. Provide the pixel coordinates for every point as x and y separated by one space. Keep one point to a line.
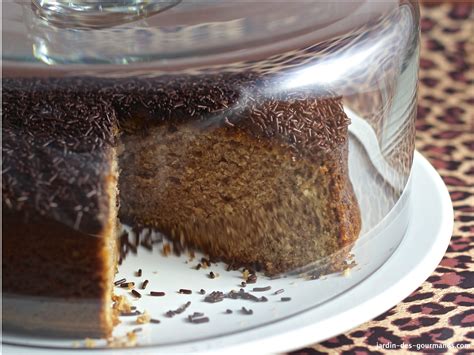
217 162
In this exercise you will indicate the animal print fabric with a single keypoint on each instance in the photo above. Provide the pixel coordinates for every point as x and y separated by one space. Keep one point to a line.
441 309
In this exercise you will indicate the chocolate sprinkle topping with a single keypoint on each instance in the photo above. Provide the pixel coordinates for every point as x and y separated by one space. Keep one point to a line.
139 273
277 292
68 126
285 299
185 291
202 291
228 311
155 321
144 284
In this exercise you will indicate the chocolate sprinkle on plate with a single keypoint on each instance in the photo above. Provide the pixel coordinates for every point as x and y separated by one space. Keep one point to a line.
127 284
172 313
144 284
155 321
195 315
200 320
247 311
202 291
228 311
157 293
215 296
252 279
139 273
119 282
277 292
136 294
262 289
185 291
285 299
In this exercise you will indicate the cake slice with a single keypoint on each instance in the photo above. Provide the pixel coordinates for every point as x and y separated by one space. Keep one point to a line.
59 210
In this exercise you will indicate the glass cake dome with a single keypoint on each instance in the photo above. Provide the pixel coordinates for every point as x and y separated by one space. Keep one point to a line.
218 143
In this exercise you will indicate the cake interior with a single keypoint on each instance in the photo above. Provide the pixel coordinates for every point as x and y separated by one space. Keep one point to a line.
246 201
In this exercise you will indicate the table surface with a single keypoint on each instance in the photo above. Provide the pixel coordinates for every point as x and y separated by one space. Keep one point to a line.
441 310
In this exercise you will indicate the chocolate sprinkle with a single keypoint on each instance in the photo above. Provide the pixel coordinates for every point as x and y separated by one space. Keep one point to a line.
277 292
119 282
172 313
228 311
243 284
139 273
157 293
215 296
200 320
246 311
127 284
155 321
252 279
285 299
262 289
202 291
144 284
195 315
136 294
185 291
212 275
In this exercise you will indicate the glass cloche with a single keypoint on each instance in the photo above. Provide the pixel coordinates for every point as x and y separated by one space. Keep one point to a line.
249 144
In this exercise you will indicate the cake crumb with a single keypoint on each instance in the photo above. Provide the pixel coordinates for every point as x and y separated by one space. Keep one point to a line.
121 304
129 340
143 318
89 343
347 272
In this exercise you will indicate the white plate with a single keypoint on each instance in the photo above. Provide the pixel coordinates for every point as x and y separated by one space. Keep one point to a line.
275 326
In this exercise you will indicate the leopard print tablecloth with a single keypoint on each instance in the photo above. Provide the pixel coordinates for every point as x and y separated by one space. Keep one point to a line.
441 309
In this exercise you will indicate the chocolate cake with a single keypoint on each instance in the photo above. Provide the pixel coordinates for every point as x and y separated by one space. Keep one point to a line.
217 162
